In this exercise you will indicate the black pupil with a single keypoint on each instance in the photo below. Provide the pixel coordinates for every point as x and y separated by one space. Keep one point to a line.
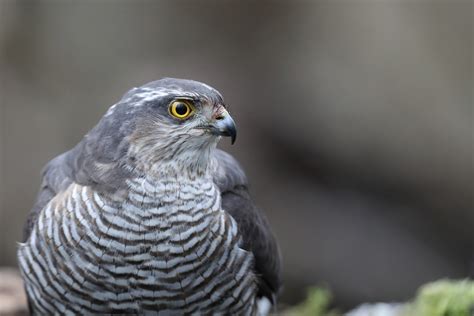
181 109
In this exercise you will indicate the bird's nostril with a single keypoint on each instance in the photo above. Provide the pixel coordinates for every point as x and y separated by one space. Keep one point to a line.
220 117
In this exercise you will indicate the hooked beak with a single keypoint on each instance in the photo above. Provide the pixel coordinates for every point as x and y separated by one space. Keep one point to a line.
224 125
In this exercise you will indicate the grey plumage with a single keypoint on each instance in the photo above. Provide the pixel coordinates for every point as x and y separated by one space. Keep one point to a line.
145 215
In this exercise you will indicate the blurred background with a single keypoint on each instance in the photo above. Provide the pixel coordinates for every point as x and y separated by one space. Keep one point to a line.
355 120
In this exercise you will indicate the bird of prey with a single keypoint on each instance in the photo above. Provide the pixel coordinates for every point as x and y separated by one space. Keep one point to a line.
146 216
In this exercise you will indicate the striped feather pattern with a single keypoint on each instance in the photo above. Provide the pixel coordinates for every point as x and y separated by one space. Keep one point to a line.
162 246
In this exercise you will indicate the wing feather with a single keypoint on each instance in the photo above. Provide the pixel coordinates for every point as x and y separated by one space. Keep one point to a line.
56 177
252 223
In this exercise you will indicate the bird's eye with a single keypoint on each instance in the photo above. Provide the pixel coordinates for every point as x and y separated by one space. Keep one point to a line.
181 109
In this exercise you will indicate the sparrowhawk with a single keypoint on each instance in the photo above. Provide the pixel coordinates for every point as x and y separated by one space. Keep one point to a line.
146 216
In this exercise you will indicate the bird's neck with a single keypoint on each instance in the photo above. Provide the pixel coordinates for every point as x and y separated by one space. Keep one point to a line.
191 157
184 170
188 165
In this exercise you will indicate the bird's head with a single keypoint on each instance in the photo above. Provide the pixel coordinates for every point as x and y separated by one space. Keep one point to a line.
169 120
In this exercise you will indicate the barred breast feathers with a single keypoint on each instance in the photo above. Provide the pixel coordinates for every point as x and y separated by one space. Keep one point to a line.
176 251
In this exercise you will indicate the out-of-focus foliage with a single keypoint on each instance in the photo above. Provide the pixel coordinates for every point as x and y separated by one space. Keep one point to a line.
444 298
316 304
440 298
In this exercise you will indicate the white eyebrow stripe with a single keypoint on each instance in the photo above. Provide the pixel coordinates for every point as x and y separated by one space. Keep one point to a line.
146 95
111 110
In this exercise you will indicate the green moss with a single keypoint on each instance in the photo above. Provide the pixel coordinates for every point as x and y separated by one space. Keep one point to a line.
316 304
443 298
440 298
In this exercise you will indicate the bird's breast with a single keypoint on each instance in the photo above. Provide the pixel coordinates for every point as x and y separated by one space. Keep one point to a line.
163 245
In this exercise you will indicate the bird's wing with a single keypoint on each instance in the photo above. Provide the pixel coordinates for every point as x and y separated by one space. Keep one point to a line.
98 160
252 224
55 178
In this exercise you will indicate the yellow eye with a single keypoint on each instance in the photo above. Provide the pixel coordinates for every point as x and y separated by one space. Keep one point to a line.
181 109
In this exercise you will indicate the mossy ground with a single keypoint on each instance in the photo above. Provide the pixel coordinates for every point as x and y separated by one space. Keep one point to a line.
443 298
440 298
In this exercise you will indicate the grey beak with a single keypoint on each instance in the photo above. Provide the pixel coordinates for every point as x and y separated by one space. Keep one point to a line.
225 126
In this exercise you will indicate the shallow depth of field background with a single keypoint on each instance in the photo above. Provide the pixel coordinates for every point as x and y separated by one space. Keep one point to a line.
355 120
